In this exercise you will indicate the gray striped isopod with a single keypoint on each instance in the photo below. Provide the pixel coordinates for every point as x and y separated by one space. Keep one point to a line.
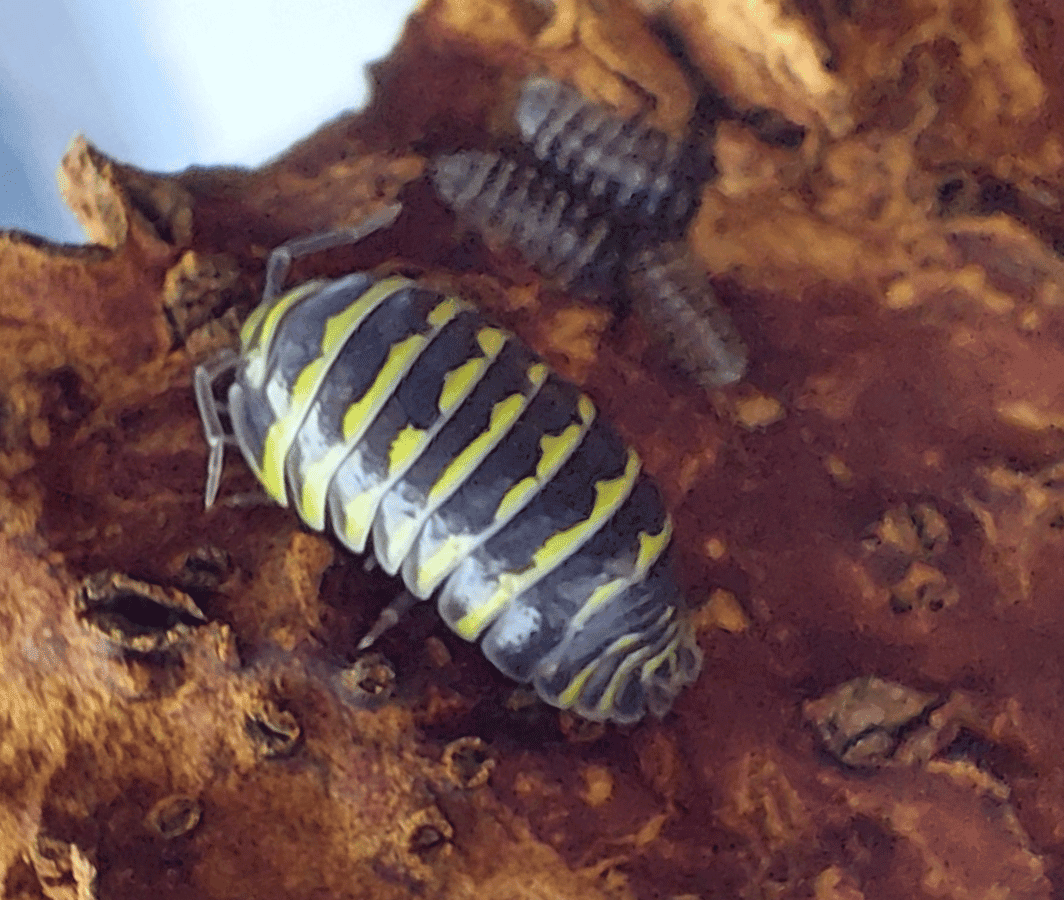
404 420
638 171
514 206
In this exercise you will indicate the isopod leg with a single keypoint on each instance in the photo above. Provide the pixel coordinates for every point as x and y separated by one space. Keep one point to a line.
283 256
213 431
391 614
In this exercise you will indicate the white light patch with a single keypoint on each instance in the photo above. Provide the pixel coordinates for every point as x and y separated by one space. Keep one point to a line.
518 625
257 75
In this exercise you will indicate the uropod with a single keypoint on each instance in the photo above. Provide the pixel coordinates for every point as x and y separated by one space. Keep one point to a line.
407 423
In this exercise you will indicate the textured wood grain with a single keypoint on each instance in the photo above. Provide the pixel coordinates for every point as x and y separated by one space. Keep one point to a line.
871 522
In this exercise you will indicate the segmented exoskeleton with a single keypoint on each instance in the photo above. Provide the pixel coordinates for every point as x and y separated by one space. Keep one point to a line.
639 172
514 205
511 206
407 422
669 289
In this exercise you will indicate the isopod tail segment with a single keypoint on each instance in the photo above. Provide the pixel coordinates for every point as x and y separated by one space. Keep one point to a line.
404 421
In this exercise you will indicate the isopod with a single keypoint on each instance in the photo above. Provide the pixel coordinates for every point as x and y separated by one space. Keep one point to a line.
639 171
408 423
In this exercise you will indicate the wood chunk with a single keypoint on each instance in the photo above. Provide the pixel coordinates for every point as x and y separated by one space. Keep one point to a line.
894 270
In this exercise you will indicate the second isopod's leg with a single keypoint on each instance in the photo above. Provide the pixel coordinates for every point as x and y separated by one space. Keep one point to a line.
391 614
283 256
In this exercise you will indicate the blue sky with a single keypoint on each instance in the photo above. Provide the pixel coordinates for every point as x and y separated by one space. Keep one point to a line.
163 84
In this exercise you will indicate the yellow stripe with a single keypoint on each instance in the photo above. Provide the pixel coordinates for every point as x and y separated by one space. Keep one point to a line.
340 327
443 312
668 652
458 383
256 347
516 497
358 516
570 695
554 451
500 421
269 314
358 414
317 475
554 551
282 432
451 551
651 547
274 448
404 445
537 373
586 408
491 341
503 415
624 670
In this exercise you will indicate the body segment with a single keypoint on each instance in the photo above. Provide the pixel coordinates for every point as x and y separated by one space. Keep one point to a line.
513 205
628 168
